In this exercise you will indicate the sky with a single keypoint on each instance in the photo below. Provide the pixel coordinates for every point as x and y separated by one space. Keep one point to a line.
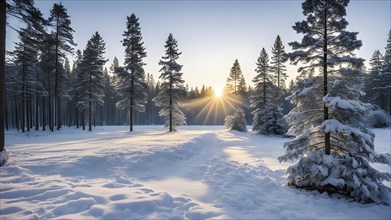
210 34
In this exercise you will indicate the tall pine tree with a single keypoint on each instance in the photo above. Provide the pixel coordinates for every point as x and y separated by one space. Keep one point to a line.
277 64
172 86
91 77
374 80
331 141
63 41
387 71
131 86
25 11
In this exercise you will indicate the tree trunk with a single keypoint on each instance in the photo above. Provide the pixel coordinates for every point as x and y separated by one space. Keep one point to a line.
37 110
83 120
77 117
171 102
325 108
56 95
89 106
23 97
89 116
94 115
28 114
131 117
389 101
2 70
31 111
43 114
5 110
264 89
16 113
131 104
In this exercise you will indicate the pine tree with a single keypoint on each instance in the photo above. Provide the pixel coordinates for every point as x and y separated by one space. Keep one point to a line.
132 86
374 80
3 154
78 76
331 142
235 81
277 64
237 121
63 41
172 86
47 67
25 11
91 76
386 75
26 56
267 116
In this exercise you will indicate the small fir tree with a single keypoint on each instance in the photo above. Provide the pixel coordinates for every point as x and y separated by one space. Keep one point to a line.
235 81
172 86
237 121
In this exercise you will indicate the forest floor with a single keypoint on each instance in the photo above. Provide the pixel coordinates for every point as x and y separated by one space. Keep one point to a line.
196 173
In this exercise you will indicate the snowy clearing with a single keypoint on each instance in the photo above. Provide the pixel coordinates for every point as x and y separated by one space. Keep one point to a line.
199 172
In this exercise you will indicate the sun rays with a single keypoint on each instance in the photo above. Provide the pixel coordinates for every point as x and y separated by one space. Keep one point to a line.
213 108
218 92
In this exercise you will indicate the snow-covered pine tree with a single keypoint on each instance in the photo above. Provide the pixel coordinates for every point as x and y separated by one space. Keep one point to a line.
91 76
277 64
374 93
131 86
267 116
387 71
172 86
63 40
235 81
333 146
237 121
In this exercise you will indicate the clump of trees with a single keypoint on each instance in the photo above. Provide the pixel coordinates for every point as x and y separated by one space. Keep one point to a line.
332 143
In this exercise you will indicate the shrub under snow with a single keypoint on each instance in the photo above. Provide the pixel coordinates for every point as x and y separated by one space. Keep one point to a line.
378 119
269 120
4 156
237 121
346 175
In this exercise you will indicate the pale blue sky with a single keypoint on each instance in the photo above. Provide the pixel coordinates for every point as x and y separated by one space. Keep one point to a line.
211 34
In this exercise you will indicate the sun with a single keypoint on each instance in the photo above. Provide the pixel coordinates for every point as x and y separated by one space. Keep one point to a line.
218 92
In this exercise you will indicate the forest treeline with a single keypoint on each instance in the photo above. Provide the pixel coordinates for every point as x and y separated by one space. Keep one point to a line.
45 92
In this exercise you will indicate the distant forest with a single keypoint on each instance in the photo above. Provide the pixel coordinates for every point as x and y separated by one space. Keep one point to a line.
43 90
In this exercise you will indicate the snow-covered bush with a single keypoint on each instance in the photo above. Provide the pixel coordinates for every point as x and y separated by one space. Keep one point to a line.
378 119
269 120
346 175
237 121
4 156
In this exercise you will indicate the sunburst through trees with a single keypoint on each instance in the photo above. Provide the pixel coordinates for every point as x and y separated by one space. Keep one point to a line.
214 106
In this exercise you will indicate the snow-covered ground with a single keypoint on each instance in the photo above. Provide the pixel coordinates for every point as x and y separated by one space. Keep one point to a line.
199 172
